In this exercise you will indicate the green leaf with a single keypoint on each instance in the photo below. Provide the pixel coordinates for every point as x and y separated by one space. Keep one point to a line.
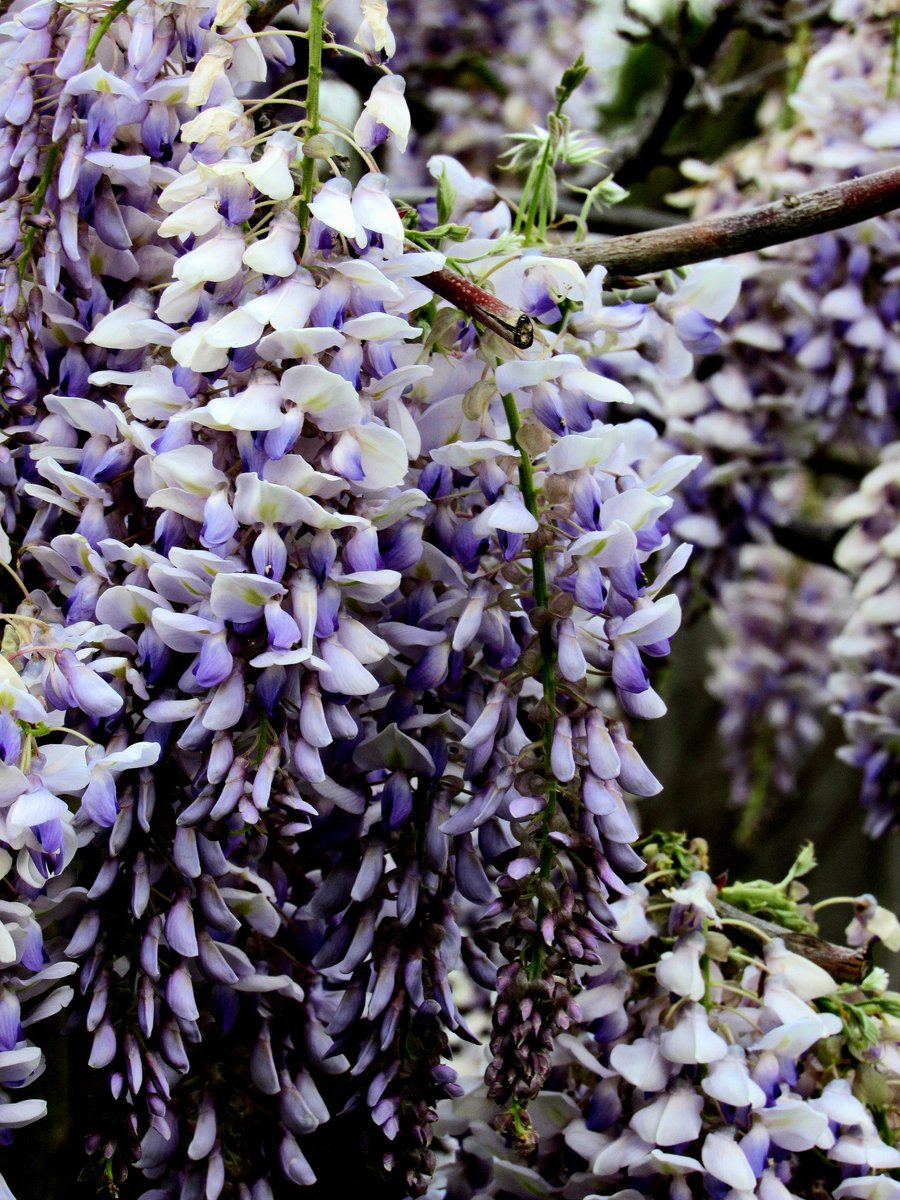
888 1003
803 864
766 900
860 1030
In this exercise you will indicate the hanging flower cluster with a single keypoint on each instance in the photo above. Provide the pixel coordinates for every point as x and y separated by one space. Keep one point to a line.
42 782
770 673
797 391
865 683
720 1063
802 374
808 357
337 611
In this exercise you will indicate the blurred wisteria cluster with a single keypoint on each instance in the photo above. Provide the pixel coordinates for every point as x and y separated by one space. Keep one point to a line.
790 404
770 674
806 368
484 70
337 559
866 683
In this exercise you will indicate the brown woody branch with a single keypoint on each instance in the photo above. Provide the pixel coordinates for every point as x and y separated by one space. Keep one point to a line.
510 323
843 965
787 220
635 254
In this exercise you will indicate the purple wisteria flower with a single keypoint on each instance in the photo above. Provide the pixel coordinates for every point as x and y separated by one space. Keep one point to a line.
277 503
770 675
40 784
864 685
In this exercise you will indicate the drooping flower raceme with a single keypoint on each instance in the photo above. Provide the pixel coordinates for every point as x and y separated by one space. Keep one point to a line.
865 682
770 673
42 782
797 392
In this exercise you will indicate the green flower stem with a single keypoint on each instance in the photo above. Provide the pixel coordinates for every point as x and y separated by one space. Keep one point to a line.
102 25
853 900
535 193
40 193
4 565
525 225
313 125
548 657
706 971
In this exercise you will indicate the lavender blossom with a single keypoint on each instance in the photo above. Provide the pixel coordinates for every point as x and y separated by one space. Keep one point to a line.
769 674
864 684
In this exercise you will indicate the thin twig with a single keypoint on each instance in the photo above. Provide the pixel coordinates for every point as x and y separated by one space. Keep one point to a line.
843 965
655 250
787 220
736 87
510 323
617 219
630 164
